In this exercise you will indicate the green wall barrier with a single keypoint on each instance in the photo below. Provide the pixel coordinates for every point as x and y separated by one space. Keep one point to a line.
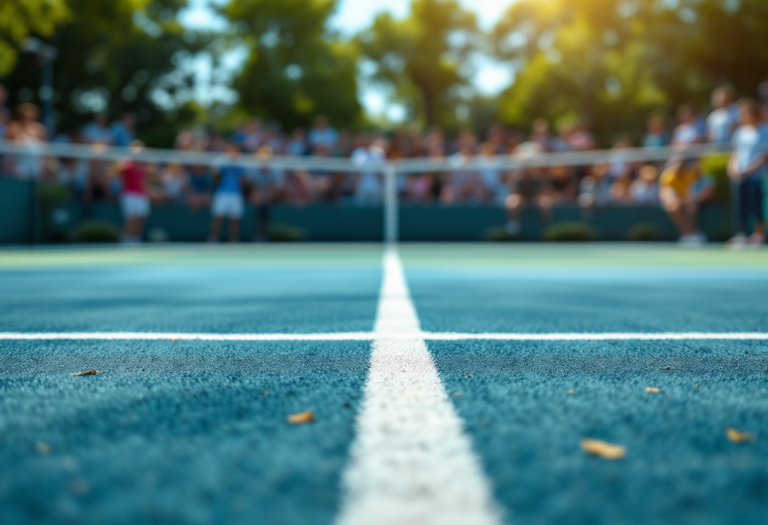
15 204
342 223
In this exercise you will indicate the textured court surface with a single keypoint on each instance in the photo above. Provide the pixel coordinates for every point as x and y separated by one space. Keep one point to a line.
196 431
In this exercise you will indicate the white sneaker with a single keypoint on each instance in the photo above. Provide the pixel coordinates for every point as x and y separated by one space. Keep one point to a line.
737 241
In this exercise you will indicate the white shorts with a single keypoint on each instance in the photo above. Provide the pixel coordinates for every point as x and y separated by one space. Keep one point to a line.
134 205
227 205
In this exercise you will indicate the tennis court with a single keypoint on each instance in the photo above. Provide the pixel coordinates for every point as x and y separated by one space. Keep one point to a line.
448 384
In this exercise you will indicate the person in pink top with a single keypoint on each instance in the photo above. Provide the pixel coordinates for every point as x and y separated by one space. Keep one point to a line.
134 200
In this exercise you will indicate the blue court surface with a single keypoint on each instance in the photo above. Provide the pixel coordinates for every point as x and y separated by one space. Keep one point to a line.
196 431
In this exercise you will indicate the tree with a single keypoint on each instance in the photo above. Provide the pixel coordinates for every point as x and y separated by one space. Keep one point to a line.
425 58
119 56
615 61
296 67
21 18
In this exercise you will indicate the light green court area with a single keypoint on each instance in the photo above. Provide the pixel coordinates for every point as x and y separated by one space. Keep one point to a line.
424 255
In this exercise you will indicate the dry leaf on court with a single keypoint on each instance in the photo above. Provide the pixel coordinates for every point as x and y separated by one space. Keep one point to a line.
602 449
301 418
43 448
571 392
174 339
652 390
468 376
669 368
739 437
91 372
457 394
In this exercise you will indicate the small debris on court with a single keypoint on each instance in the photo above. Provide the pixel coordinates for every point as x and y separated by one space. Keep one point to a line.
174 339
266 393
596 447
468 376
91 372
652 390
457 394
739 437
669 368
43 448
571 392
302 417
696 385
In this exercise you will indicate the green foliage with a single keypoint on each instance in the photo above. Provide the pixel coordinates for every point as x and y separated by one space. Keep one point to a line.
716 166
616 61
285 233
643 232
570 232
424 59
117 56
500 234
97 232
20 19
296 68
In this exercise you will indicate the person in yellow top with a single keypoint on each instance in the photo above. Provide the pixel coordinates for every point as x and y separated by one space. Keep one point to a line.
682 188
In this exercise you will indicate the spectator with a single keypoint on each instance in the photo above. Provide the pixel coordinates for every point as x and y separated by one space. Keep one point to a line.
322 134
134 200
96 131
29 133
3 124
492 178
540 134
747 168
199 187
227 201
687 132
122 131
369 187
620 167
528 192
682 189
620 191
297 145
656 135
724 120
173 180
580 138
595 188
644 191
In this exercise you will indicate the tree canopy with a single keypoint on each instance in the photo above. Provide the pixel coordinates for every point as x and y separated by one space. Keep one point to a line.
21 18
296 67
425 58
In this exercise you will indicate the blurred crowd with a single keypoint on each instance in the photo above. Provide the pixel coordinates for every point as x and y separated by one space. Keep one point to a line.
618 182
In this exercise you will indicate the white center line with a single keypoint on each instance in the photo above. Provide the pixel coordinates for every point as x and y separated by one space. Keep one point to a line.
411 463
390 335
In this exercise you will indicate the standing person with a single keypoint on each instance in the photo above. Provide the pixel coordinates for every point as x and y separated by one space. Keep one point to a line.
724 120
228 200
747 168
134 200
27 131
96 132
686 133
682 190
323 134
121 130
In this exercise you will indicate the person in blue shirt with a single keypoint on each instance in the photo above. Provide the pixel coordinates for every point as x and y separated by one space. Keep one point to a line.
747 167
122 130
228 202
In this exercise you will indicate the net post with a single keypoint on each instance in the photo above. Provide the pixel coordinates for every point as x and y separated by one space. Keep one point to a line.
391 233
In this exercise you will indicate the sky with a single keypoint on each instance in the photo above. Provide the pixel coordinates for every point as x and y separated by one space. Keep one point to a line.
351 17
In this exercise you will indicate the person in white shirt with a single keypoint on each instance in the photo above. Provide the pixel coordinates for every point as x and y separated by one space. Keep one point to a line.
369 186
686 133
747 167
322 134
724 120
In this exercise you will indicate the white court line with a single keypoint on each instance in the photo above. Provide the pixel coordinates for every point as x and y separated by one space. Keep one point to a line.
411 462
388 335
